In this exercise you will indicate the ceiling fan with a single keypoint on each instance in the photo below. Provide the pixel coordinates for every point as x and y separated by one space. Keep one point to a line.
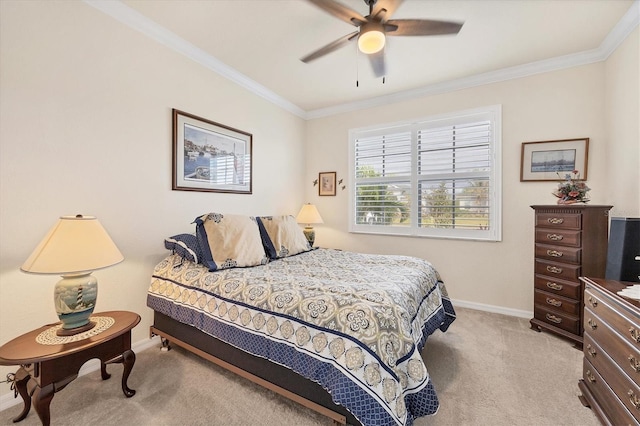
373 29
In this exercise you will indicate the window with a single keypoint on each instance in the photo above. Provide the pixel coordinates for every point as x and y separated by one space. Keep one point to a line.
438 177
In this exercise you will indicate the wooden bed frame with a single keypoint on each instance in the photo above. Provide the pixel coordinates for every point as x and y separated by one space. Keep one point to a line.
259 370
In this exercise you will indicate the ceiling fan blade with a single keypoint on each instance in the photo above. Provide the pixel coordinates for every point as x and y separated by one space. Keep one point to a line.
377 63
383 9
330 47
340 11
420 27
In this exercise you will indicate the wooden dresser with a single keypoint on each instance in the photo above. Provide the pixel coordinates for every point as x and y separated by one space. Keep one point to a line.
570 242
611 373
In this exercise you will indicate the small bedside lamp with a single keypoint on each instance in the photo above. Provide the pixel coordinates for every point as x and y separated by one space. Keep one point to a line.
73 248
309 215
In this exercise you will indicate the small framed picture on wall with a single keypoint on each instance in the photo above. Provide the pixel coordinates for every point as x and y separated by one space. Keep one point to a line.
327 183
552 160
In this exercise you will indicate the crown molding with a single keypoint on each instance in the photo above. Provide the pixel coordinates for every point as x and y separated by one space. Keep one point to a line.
504 74
621 31
618 34
146 26
141 23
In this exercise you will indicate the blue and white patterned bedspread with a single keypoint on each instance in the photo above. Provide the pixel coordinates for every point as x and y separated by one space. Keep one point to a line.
354 323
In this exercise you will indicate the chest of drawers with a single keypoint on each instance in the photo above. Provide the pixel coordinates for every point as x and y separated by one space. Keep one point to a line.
570 242
611 369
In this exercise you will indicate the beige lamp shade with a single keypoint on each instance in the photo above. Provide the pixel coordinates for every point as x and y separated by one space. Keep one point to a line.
309 214
75 244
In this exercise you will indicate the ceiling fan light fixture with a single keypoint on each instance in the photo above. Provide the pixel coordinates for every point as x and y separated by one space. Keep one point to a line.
371 39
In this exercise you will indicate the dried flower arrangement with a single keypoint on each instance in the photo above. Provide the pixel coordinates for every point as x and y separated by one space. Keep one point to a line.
571 190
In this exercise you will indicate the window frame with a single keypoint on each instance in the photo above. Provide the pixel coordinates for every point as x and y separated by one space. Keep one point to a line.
491 113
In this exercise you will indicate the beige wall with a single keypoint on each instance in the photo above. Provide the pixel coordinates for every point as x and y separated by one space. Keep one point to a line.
85 127
571 103
622 121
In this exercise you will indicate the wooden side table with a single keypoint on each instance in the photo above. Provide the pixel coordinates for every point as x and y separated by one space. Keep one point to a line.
49 363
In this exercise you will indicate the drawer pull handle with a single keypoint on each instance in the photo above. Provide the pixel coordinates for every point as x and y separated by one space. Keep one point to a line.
554 286
593 302
553 318
634 334
555 237
554 269
633 399
591 351
554 253
635 365
554 302
555 220
592 324
590 377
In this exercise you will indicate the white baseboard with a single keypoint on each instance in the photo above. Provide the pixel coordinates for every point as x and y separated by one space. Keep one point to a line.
492 308
7 400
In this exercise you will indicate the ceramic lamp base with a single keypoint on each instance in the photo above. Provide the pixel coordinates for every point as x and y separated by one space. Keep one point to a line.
73 331
310 233
75 298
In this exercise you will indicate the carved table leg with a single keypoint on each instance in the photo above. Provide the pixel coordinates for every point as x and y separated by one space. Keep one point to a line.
103 371
41 400
20 380
129 358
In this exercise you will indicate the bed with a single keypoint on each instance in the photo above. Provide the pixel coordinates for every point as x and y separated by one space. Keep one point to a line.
337 331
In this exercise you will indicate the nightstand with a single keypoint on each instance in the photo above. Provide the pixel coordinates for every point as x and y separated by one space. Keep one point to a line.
48 362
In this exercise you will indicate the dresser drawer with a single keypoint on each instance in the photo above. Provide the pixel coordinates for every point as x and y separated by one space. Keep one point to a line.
617 413
560 237
599 309
623 354
568 322
572 290
559 220
625 389
558 253
557 270
559 303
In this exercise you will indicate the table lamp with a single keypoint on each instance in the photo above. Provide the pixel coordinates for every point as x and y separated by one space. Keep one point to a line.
309 215
73 248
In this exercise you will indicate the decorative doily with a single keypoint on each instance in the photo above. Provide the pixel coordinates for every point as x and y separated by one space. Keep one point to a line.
49 337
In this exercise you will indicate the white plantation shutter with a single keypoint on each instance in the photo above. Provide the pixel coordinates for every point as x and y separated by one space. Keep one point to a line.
383 166
434 177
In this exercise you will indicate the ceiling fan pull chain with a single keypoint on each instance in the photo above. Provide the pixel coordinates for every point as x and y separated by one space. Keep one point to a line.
357 67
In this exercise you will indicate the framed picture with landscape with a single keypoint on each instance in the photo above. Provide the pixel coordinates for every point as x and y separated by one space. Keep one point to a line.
553 160
210 157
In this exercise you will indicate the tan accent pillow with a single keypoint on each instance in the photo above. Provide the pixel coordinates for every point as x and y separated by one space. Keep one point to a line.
282 236
229 241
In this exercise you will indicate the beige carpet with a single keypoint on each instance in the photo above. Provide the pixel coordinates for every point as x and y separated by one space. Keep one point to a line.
488 369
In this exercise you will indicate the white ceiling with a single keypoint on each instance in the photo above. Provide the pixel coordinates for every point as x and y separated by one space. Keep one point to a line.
259 43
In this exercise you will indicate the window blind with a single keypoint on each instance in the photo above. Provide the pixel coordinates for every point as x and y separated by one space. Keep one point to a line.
433 177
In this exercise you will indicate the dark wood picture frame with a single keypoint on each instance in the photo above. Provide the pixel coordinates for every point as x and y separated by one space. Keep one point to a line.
553 160
209 156
326 184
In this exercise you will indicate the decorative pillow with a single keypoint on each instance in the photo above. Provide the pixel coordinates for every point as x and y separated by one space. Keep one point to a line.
282 236
186 245
229 241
